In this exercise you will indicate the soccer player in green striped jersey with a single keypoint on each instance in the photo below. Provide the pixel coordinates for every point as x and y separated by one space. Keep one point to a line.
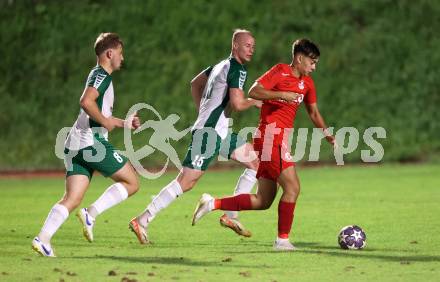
87 149
216 91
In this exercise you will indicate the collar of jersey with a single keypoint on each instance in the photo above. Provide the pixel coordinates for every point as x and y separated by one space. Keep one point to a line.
235 61
101 68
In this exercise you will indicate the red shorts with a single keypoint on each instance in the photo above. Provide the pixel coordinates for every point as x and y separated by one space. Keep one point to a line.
274 156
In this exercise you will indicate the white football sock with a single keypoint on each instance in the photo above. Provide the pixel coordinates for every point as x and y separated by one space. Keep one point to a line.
56 217
211 204
165 197
114 194
245 183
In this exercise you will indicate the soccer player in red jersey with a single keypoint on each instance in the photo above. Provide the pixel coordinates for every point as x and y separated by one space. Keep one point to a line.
283 88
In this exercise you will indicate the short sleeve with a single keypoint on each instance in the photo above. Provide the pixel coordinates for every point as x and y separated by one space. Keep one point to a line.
99 81
208 70
311 94
269 79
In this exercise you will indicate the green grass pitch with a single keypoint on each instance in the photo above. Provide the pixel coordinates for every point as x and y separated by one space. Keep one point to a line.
397 206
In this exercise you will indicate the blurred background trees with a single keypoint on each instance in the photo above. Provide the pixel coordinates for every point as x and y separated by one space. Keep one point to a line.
378 66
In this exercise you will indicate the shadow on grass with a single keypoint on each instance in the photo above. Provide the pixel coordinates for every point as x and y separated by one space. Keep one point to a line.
213 244
368 253
169 261
372 254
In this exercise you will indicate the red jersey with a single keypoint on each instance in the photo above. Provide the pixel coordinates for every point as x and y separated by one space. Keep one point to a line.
280 78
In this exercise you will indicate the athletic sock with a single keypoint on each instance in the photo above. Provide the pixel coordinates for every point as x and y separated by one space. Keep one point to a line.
236 203
165 197
285 218
114 194
56 217
245 183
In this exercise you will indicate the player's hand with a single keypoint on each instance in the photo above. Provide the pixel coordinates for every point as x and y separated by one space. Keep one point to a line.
289 97
258 103
332 140
133 121
136 122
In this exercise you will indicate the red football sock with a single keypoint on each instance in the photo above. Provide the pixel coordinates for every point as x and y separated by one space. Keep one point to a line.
285 218
217 204
236 203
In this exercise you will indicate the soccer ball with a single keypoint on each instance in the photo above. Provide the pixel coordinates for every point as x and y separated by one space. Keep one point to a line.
352 237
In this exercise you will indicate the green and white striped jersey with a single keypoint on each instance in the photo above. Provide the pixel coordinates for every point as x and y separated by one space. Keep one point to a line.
214 111
82 132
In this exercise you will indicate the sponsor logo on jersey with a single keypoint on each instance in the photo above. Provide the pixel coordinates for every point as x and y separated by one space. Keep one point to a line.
242 79
285 74
301 84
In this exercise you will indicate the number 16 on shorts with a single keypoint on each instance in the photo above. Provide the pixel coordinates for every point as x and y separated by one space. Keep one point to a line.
198 161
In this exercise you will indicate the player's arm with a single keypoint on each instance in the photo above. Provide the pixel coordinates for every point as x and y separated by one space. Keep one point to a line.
318 121
198 84
89 105
258 92
239 102
133 121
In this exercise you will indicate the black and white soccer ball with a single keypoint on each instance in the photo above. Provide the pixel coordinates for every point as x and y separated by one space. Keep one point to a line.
352 237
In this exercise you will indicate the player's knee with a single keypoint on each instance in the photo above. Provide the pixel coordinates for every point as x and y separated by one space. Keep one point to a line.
135 184
187 181
293 188
132 186
131 182
291 195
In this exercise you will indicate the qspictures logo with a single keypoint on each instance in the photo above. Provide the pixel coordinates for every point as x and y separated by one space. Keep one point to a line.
163 133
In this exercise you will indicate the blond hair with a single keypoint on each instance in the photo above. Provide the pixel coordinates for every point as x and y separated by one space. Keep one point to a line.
239 32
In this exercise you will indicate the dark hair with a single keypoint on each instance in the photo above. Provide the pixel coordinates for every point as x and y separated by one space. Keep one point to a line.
306 47
106 41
